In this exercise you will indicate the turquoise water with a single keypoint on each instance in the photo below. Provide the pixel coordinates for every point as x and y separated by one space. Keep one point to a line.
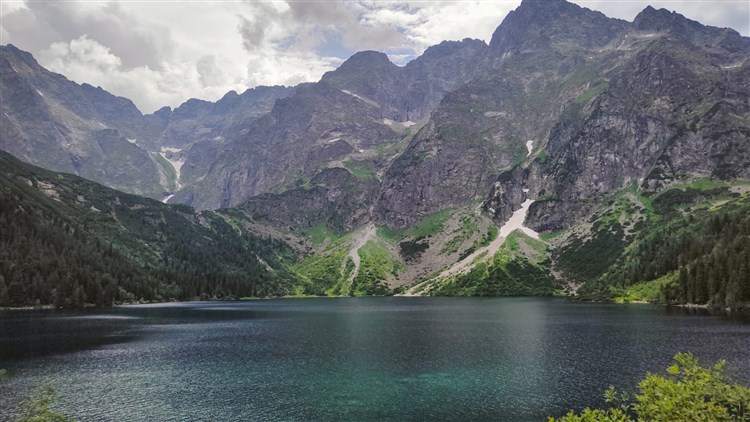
351 358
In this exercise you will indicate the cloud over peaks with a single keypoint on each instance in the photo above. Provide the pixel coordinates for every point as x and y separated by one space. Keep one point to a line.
163 53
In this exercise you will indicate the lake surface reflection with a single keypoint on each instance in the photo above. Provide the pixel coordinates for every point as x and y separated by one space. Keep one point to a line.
351 358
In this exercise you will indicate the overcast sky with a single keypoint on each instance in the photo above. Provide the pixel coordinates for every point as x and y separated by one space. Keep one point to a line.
163 52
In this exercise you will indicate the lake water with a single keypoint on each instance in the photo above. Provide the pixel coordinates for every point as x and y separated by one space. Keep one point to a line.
351 358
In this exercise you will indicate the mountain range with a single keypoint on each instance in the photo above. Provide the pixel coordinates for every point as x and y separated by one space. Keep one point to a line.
541 162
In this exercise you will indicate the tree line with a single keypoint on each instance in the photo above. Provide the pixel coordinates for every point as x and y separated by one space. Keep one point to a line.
709 249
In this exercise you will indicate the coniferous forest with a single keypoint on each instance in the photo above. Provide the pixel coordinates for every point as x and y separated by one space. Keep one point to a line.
69 242
696 247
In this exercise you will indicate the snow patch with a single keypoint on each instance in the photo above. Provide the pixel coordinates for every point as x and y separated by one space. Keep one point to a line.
733 66
530 147
39 92
525 191
623 42
132 141
102 124
333 140
516 220
176 165
167 198
368 101
407 123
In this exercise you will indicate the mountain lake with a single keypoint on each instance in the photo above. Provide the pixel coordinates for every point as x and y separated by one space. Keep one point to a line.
353 359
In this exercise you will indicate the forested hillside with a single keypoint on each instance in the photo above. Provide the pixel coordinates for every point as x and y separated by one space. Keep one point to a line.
688 244
68 242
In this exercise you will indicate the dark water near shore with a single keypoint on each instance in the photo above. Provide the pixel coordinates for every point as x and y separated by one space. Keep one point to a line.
351 359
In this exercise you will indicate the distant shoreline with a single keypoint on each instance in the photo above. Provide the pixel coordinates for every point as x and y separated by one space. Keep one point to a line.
687 306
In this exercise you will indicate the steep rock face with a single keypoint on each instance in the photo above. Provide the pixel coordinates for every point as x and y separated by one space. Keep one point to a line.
604 103
666 110
85 101
51 121
530 72
453 160
303 134
544 25
723 41
439 70
365 104
197 120
411 92
373 78
196 131
335 198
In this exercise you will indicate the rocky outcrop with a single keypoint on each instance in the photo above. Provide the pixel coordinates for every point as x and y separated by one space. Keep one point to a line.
316 128
553 25
604 103
53 122
662 112
334 198
412 92
529 73
366 103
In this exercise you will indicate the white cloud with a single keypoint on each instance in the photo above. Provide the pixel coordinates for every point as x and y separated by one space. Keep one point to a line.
209 73
398 17
287 69
162 53
81 51
458 20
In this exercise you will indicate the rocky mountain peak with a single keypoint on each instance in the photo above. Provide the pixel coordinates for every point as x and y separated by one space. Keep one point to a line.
540 24
192 107
447 48
695 33
10 54
230 95
365 61
662 20
21 54
164 111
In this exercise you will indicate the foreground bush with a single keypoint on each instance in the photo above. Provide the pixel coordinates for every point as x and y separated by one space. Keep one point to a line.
37 407
689 392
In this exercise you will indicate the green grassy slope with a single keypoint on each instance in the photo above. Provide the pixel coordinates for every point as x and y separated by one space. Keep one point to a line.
519 268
